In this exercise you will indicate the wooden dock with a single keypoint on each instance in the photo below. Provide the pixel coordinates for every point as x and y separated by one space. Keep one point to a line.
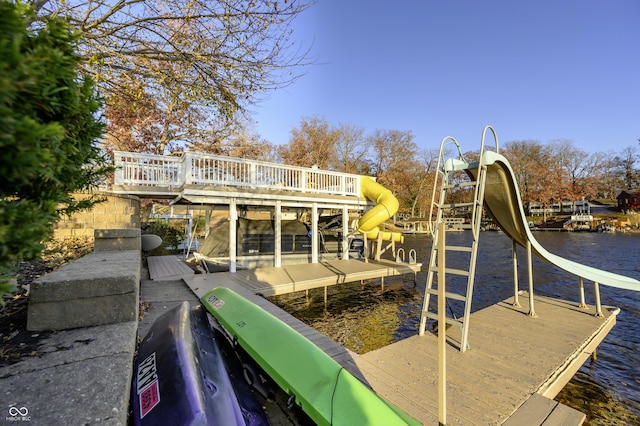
515 364
272 281
166 268
512 358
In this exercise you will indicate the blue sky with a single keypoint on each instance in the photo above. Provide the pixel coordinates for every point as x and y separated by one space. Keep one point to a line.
535 70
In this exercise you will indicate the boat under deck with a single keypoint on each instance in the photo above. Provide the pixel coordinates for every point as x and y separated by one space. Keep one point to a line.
515 364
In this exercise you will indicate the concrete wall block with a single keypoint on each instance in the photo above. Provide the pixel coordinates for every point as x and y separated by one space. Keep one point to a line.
117 244
116 233
87 312
117 239
99 288
96 274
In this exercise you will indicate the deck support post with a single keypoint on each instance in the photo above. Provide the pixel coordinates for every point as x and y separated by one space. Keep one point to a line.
366 248
379 247
314 233
582 304
277 231
532 311
207 222
442 329
596 288
325 297
514 254
233 235
382 283
345 232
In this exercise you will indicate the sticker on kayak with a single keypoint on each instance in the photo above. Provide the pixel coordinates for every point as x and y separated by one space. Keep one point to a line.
148 389
214 301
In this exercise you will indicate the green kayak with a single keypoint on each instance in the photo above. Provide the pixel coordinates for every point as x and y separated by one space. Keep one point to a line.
324 390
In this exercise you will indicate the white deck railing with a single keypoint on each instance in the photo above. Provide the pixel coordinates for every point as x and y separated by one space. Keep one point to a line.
195 168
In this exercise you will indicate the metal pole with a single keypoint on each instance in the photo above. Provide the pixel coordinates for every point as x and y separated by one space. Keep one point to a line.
514 254
582 304
442 329
596 288
532 311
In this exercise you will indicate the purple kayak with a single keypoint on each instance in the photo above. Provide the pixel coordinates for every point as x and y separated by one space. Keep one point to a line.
180 376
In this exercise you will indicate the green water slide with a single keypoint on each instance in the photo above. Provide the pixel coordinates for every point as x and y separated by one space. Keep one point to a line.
324 390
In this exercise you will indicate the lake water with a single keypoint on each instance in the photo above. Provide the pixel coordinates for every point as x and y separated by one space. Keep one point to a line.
607 389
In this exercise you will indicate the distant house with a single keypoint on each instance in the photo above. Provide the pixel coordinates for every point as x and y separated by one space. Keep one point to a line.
566 206
629 200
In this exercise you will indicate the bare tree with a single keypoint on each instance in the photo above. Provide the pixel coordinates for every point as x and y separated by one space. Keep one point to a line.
396 164
627 171
352 149
603 181
194 55
576 164
540 178
425 177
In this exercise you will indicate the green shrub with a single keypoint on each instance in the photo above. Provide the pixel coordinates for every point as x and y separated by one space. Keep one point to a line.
171 236
48 131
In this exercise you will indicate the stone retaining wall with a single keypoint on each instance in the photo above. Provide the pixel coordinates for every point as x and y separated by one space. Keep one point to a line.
117 212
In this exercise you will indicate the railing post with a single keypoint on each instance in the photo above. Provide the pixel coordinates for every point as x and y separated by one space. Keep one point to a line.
303 181
118 176
252 175
186 167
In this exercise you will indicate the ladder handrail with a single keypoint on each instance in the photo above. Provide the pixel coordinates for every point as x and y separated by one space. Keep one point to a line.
447 140
478 182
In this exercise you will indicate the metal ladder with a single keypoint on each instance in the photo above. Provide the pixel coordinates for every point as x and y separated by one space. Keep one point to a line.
454 175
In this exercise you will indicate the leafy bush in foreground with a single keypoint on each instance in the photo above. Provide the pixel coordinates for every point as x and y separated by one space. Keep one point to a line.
48 132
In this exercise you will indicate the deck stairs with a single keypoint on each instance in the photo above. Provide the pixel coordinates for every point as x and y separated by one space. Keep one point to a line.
458 196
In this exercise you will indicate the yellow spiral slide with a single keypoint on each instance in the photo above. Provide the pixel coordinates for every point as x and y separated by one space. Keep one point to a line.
386 206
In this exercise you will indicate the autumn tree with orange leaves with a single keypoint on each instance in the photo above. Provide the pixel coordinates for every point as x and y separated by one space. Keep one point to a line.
312 144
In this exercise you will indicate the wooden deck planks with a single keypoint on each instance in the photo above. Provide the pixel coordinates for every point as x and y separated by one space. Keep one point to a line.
166 268
511 356
543 411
